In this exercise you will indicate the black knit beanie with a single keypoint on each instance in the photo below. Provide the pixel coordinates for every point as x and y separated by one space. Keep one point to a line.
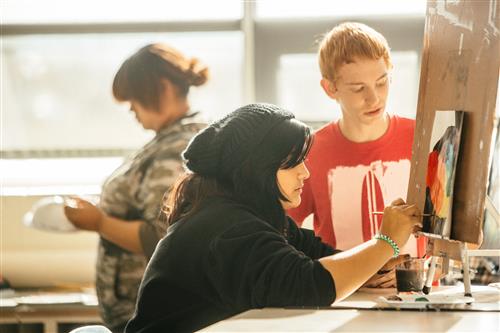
224 145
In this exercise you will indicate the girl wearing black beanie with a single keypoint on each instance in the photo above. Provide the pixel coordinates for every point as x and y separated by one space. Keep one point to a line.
230 246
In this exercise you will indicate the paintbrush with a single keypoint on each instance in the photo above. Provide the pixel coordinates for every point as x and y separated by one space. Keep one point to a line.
382 213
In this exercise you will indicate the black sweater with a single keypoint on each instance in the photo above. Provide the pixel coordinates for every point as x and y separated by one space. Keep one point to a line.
224 260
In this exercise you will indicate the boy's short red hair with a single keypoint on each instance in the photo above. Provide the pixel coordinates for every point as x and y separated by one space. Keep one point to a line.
348 41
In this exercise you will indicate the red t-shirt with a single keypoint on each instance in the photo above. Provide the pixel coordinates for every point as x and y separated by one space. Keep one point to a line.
351 180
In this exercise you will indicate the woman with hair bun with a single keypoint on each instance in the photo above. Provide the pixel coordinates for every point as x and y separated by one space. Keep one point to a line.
155 81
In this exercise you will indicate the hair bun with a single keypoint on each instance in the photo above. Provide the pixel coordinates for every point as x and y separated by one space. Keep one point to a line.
198 72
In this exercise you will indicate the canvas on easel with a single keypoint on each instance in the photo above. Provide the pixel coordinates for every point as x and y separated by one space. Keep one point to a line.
441 169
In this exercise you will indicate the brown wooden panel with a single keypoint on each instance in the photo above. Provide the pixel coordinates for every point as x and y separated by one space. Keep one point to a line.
460 70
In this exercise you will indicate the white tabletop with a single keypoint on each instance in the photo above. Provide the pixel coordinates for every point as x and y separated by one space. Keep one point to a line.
365 319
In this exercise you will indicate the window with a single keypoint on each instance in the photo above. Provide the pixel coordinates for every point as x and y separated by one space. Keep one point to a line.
57 87
118 11
60 125
328 8
299 89
42 176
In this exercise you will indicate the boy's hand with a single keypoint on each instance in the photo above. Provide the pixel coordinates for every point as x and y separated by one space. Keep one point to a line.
386 276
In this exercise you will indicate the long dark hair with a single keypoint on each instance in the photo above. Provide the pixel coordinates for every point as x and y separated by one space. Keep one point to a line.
253 183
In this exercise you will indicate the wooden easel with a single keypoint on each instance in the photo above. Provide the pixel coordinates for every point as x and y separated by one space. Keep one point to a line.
459 71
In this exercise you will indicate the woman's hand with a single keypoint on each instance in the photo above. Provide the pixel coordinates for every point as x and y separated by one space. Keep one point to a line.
399 221
83 214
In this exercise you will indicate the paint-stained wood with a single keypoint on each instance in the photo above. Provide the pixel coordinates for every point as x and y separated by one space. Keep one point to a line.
460 71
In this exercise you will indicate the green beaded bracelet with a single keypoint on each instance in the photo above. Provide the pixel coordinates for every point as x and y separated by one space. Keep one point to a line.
389 241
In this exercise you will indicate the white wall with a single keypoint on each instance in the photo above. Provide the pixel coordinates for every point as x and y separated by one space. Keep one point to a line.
34 258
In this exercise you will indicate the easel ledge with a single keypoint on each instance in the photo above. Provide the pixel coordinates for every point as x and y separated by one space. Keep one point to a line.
457 250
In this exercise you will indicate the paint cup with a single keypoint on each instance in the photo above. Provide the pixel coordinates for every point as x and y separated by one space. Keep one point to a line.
410 275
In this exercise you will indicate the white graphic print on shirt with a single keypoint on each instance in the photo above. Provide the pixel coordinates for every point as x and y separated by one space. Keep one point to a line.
345 186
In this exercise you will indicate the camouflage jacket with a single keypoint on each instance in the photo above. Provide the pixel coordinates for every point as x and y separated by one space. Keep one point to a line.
134 192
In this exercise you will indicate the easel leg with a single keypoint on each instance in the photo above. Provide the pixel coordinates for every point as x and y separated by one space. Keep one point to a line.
465 267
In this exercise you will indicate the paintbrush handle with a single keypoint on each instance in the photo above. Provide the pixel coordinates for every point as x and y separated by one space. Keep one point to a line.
382 213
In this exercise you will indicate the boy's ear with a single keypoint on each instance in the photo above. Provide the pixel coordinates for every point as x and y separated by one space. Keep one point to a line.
329 88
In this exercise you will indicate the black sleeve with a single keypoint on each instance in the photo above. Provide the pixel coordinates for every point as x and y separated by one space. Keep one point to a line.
304 240
252 265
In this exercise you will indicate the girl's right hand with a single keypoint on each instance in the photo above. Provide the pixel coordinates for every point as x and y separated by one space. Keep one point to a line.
399 221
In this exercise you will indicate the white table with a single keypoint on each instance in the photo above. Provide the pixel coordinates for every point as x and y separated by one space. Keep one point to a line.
368 318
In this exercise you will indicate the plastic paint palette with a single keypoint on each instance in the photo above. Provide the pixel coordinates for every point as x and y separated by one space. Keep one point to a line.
421 301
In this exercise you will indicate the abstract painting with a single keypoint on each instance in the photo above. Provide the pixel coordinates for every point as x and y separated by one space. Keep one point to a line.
441 168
